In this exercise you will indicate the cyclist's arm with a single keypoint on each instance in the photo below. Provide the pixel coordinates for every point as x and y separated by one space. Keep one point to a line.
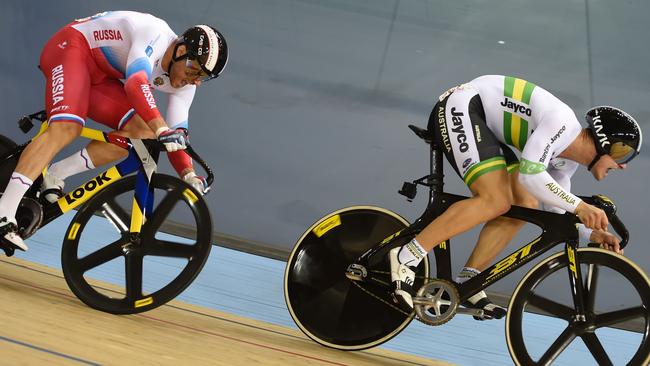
563 177
548 140
138 74
177 117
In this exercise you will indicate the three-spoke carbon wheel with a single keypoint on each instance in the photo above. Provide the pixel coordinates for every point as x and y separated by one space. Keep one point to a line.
150 268
327 306
615 329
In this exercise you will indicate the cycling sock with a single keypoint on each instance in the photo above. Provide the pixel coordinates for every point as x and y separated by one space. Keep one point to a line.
480 300
16 188
73 164
412 253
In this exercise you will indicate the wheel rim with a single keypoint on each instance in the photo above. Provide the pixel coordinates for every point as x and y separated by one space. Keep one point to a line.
185 257
594 332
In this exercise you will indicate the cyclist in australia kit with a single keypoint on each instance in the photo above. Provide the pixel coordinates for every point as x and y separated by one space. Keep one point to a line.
476 124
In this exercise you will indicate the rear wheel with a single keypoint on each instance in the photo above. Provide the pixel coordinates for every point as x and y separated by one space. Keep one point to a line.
8 161
328 307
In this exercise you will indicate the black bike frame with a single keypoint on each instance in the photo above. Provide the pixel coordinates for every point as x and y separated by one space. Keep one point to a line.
556 229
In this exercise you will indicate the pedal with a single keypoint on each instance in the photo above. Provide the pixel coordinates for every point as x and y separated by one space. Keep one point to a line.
356 272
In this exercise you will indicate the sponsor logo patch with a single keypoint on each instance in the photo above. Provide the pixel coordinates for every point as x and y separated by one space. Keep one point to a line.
467 162
57 84
598 127
518 108
107 35
146 91
461 137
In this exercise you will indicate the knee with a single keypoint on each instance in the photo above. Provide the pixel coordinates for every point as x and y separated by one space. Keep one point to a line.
498 204
137 128
62 134
528 202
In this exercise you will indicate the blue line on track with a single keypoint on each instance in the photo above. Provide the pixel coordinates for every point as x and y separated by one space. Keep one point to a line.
72 358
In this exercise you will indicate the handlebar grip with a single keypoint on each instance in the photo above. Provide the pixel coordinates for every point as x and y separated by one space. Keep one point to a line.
202 163
620 229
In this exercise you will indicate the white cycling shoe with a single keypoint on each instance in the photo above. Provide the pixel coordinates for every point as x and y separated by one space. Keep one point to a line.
10 237
52 188
402 277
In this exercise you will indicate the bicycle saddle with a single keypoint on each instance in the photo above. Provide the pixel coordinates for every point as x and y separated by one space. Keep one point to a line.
422 133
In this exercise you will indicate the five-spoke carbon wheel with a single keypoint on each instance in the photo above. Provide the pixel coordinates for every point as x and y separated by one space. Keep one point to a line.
327 306
153 267
616 325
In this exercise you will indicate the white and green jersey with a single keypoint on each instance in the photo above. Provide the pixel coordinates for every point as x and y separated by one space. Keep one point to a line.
539 125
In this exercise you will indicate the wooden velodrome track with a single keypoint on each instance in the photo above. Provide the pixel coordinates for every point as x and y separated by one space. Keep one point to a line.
43 323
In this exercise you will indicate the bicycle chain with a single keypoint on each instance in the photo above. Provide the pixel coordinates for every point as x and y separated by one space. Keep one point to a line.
382 300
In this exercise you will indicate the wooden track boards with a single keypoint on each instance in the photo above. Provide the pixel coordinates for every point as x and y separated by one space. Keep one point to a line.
42 322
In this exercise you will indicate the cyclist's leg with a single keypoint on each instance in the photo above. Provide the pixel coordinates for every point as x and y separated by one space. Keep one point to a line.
64 62
494 237
458 123
497 233
109 106
113 109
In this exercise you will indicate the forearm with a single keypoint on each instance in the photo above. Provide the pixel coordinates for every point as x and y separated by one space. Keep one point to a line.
547 190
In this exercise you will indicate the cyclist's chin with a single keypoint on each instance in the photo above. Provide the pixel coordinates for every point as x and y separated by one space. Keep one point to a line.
599 175
177 83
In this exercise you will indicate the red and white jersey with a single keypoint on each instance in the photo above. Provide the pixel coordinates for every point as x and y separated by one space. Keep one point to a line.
130 45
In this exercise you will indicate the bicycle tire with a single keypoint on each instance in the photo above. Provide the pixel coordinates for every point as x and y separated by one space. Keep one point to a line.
323 302
596 258
134 301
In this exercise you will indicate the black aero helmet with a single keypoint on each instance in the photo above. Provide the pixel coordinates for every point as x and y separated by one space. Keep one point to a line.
615 133
207 46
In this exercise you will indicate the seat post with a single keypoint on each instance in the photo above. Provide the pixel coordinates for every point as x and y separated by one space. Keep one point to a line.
436 175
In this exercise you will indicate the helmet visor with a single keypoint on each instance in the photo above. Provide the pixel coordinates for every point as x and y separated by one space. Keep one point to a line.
622 153
194 71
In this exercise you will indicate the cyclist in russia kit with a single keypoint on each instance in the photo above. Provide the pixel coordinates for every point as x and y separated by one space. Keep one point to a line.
104 67
474 123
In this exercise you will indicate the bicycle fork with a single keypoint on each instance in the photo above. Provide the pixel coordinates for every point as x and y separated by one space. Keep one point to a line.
575 279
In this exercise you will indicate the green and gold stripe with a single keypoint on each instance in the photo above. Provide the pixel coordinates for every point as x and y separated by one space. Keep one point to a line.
483 167
515 128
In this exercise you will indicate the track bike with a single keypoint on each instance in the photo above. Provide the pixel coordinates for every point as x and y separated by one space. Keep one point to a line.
338 284
136 201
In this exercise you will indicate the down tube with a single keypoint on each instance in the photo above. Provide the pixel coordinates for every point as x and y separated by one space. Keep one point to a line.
85 192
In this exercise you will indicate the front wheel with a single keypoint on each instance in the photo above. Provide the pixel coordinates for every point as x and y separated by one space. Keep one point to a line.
615 329
149 268
327 306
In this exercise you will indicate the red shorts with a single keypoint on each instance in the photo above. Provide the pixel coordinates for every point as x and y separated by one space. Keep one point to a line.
76 88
